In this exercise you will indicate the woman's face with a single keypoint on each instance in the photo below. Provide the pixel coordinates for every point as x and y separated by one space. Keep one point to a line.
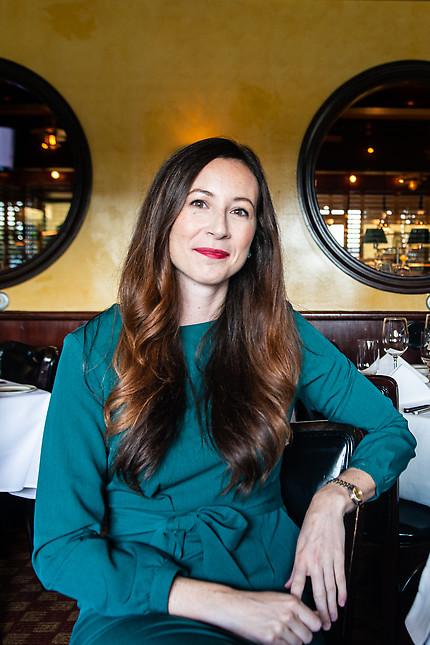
210 239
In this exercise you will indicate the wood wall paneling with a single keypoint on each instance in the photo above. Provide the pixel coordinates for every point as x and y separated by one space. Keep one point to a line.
342 328
41 328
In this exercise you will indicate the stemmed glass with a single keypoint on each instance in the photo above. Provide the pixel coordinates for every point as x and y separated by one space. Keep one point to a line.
395 337
425 346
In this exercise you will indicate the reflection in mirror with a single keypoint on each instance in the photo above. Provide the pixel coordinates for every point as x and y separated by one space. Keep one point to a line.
364 177
372 178
45 174
36 175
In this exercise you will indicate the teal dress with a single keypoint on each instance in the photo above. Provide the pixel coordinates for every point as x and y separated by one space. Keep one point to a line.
182 523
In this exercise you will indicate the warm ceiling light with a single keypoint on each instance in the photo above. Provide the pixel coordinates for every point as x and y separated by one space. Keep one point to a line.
50 138
55 174
330 222
370 150
352 179
401 181
412 185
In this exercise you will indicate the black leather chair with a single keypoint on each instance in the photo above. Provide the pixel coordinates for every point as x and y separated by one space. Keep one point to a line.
381 530
33 365
318 452
391 526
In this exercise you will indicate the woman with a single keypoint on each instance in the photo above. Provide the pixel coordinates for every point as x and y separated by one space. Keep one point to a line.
159 505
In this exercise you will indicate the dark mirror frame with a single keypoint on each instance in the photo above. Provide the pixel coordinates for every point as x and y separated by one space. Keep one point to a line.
348 93
35 84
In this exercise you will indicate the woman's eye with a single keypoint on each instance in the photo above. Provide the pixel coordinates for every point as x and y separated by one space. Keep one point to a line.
198 203
242 212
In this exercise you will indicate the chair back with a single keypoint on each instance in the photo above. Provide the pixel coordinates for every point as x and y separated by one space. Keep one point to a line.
382 515
33 365
388 386
320 451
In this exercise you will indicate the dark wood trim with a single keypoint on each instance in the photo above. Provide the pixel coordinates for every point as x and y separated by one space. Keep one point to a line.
326 116
342 328
41 327
345 328
46 93
48 315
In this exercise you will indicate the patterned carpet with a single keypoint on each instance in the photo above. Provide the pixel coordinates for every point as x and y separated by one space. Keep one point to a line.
29 614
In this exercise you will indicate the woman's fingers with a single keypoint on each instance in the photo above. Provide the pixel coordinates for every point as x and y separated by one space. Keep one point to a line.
298 623
339 572
328 587
319 590
297 581
272 617
320 557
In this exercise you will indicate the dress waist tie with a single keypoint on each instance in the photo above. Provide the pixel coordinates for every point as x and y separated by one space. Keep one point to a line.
219 528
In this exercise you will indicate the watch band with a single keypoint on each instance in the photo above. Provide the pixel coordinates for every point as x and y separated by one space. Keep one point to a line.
355 493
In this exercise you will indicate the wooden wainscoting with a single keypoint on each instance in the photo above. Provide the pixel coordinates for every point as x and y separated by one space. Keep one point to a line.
41 327
342 328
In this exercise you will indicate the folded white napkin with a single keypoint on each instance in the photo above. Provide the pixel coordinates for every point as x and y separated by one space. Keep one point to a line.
413 388
386 366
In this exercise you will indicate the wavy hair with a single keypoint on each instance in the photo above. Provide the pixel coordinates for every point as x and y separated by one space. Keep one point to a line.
254 362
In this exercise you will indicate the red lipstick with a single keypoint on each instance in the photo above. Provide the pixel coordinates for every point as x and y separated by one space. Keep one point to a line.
216 254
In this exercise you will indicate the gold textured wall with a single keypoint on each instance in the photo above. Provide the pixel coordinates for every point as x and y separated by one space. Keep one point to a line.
146 76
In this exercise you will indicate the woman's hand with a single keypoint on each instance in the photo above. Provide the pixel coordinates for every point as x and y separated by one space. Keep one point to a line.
320 552
260 617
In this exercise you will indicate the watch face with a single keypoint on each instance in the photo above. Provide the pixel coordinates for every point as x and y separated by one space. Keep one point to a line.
357 494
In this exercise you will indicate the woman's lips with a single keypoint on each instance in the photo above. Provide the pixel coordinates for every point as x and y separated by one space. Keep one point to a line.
217 254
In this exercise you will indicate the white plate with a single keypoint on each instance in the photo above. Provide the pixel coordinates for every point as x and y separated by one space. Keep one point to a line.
10 389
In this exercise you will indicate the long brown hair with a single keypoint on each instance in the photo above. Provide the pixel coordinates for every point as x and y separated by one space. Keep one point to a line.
254 363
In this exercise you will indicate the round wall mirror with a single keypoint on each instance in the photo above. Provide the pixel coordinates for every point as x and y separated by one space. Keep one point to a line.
45 174
364 177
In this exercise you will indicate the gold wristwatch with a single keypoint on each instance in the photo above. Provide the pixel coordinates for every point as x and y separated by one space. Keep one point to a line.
354 492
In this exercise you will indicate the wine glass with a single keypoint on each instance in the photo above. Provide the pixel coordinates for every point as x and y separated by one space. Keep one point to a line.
425 347
395 337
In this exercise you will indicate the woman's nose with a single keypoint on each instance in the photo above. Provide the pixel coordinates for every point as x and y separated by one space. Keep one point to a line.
218 225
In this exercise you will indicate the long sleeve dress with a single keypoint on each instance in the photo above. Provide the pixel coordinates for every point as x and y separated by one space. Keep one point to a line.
183 522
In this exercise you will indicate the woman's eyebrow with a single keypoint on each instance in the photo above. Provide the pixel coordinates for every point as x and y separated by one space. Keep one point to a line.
208 192
201 190
244 199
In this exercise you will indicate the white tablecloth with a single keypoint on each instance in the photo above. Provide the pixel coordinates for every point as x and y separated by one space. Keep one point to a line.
414 483
22 418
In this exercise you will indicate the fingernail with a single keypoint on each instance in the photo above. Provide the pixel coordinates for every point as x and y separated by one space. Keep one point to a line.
326 626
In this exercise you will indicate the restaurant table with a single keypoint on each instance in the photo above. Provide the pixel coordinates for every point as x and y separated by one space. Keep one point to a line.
414 482
22 419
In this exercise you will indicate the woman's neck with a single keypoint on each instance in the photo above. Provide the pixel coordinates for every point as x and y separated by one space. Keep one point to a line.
201 305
